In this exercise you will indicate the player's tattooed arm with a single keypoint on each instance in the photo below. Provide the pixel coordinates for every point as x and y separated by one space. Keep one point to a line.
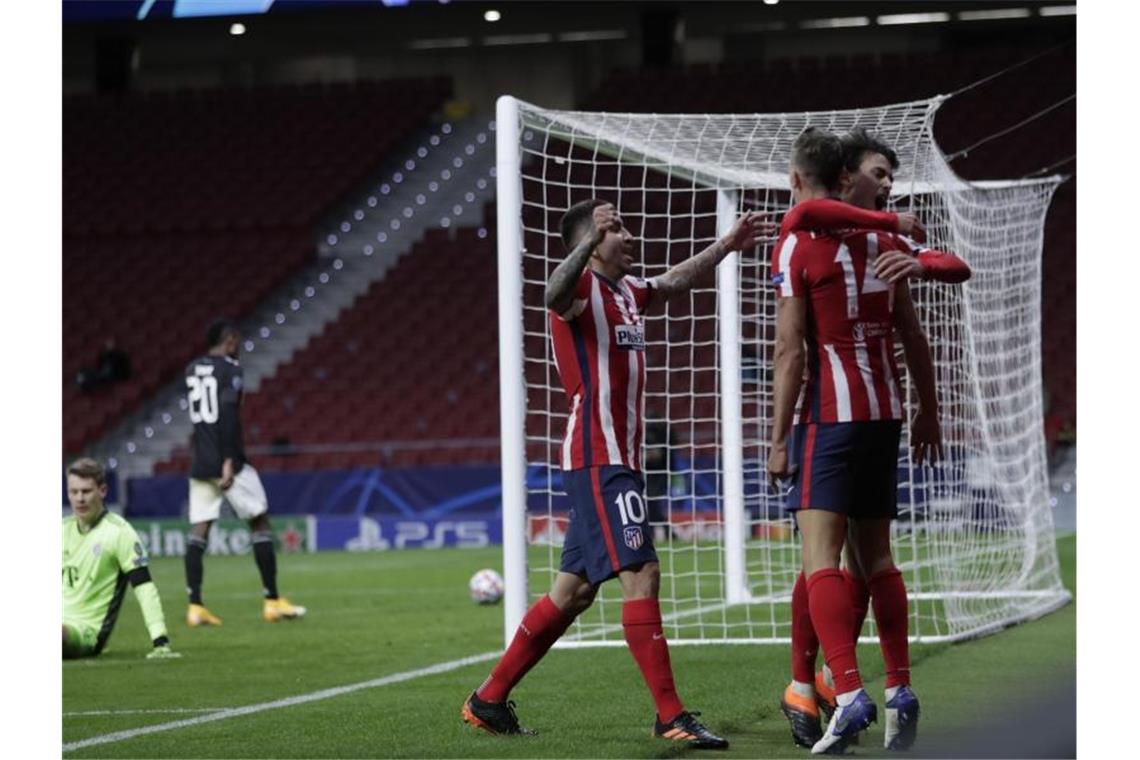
791 321
925 431
749 228
559 296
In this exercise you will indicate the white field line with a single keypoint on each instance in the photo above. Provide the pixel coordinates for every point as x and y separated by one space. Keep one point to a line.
300 699
145 712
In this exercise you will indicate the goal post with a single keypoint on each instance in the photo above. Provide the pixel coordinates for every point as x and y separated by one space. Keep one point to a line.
731 424
512 391
975 536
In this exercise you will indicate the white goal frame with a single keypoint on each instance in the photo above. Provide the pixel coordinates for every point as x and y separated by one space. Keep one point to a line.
511 120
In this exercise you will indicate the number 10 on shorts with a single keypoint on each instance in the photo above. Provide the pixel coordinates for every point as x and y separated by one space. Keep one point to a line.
631 506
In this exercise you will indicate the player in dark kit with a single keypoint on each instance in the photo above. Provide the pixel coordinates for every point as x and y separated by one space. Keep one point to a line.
598 332
219 472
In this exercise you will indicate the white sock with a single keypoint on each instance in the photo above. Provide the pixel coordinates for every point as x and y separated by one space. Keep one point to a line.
847 697
804 689
892 691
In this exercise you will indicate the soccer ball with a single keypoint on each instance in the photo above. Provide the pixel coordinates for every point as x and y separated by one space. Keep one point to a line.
486 587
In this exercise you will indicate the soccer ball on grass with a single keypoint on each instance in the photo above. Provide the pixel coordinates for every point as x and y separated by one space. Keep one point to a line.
486 587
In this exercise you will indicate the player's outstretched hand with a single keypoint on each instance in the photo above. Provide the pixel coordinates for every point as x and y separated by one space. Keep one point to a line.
605 219
751 227
778 465
892 266
163 652
925 438
910 226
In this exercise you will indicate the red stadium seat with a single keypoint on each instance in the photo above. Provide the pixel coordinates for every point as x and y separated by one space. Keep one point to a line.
164 193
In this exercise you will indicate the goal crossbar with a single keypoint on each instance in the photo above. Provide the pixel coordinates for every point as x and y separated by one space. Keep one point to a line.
975 535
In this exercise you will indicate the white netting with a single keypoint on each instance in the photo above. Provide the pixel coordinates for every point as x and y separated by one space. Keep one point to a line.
975 537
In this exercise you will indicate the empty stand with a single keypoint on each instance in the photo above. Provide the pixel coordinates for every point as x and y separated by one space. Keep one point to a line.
179 207
414 359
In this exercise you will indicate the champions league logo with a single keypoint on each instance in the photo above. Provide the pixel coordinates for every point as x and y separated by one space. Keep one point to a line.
633 537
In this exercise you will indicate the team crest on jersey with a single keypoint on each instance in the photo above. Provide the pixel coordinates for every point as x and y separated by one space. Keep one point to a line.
96 550
633 537
630 336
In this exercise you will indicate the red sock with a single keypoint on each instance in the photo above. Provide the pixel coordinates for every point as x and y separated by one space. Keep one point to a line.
805 644
831 616
860 600
641 619
888 593
542 625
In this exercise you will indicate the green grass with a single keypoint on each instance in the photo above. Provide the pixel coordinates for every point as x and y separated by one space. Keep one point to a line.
376 614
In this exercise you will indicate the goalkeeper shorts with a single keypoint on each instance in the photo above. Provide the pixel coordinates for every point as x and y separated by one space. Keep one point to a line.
609 522
82 640
846 467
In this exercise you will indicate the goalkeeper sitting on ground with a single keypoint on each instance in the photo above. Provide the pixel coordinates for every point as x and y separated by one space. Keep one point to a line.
101 553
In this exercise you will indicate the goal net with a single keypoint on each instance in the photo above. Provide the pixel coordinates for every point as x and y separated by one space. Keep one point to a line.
975 535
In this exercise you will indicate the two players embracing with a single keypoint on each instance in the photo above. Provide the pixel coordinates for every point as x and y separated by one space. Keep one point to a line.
597 311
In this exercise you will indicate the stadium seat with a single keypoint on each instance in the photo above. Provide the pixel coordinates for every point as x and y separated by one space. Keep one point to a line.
179 206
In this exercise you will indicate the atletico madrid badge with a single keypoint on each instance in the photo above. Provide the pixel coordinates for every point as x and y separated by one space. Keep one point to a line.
633 536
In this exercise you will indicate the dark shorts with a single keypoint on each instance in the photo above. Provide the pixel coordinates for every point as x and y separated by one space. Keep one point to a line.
846 467
609 522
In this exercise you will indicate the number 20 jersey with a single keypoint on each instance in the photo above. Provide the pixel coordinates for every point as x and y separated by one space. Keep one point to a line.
213 393
851 370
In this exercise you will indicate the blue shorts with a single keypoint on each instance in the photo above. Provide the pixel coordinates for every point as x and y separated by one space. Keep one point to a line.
609 522
846 467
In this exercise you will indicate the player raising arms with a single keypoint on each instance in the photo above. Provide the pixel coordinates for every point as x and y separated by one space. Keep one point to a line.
865 184
219 472
847 436
596 314
102 553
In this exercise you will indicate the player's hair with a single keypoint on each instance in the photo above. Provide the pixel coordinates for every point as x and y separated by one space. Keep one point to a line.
818 154
88 469
859 142
575 219
219 330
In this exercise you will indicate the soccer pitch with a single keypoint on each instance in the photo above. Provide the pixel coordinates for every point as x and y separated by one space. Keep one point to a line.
386 635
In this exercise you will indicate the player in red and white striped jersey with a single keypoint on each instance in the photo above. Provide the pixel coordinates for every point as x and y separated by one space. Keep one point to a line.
845 442
851 370
866 184
597 325
599 350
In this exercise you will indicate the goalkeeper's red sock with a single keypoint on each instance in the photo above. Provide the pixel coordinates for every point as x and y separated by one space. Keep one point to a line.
641 619
831 616
860 601
542 625
805 644
888 594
